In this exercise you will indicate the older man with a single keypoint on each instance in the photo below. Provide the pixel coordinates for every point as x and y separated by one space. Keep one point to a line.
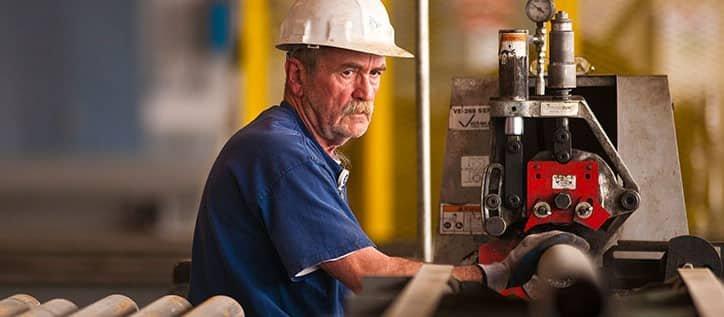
274 228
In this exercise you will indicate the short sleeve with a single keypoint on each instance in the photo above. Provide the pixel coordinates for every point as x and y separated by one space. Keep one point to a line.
308 220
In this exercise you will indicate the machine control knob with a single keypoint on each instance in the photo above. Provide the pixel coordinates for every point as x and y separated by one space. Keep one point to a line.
563 201
630 200
542 209
584 210
495 226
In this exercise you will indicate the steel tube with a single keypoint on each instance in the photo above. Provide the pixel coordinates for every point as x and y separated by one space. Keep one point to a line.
167 306
514 126
513 64
53 308
219 305
562 68
112 305
566 284
424 208
16 304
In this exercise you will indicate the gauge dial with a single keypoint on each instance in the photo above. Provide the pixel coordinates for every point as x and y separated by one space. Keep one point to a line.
540 10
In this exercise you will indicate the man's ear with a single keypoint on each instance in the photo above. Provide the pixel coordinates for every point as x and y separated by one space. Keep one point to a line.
296 75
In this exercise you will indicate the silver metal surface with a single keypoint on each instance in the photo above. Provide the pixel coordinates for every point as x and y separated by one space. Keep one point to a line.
53 308
562 68
647 142
167 306
539 40
110 306
421 295
424 193
217 306
514 126
705 290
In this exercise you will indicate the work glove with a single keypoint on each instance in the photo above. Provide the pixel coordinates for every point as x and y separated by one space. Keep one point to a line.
521 263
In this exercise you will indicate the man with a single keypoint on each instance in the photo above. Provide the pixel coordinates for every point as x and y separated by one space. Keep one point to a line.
274 229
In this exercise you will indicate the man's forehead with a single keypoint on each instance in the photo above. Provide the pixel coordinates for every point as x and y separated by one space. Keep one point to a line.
340 56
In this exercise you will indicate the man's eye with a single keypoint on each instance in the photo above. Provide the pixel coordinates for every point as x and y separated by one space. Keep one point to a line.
376 73
347 73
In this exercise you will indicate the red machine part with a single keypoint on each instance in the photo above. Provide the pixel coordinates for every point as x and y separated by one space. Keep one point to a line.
579 179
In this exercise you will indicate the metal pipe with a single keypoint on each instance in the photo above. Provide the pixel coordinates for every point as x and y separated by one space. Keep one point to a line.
540 43
566 284
167 306
53 308
16 304
513 64
218 305
562 68
424 210
112 305
514 126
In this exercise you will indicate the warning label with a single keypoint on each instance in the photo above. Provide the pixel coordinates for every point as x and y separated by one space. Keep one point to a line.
461 219
472 169
475 117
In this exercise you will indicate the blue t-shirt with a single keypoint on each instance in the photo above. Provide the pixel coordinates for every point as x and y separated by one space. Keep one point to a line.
274 205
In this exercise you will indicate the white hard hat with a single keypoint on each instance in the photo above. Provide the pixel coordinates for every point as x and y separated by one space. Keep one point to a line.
357 25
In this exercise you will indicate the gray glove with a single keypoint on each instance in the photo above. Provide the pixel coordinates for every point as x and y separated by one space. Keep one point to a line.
520 265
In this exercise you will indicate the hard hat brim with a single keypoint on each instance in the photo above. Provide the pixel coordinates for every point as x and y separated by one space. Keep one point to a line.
381 49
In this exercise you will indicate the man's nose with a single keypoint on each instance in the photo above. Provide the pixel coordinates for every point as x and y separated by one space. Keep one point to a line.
364 89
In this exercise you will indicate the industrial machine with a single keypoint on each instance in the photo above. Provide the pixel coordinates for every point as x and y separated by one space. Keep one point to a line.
592 155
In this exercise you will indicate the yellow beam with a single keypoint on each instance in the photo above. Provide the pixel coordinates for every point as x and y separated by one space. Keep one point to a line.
254 39
378 164
377 153
572 8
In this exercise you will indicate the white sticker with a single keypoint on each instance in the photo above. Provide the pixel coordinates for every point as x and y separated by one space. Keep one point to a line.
476 222
461 219
470 117
558 109
472 169
564 182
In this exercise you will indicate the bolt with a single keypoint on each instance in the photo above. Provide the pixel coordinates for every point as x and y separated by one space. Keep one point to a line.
513 200
562 201
561 136
542 209
630 200
584 210
492 201
563 157
514 146
459 225
447 225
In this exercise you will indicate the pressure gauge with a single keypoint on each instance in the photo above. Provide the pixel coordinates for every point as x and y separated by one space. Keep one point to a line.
540 10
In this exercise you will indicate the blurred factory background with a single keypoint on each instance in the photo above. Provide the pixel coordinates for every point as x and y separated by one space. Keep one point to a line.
111 113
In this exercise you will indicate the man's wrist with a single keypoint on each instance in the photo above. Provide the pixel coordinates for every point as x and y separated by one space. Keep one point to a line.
495 275
483 276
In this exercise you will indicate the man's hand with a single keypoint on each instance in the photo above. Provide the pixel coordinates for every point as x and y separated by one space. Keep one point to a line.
521 263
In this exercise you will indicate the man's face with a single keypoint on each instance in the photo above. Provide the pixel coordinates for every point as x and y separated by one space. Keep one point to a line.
341 92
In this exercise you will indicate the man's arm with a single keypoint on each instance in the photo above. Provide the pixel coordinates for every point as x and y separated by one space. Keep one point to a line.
369 261
516 269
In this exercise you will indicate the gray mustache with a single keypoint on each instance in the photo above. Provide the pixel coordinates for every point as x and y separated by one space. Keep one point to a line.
359 107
